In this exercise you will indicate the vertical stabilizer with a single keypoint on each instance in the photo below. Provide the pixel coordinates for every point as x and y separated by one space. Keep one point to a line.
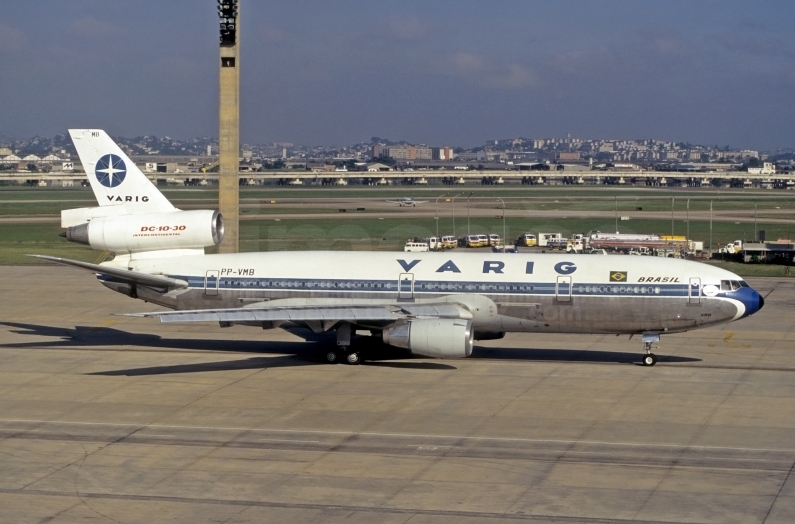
115 179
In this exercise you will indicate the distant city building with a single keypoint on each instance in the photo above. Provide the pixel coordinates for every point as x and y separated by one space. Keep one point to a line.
442 153
319 167
194 155
407 153
569 156
375 167
768 168
470 156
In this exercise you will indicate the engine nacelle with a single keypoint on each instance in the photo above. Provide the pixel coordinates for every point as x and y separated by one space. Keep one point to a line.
138 233
435 337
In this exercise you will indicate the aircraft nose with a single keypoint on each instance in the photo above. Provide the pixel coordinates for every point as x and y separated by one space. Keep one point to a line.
751 299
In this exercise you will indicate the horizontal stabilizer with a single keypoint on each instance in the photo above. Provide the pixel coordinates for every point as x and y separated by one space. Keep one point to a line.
119 273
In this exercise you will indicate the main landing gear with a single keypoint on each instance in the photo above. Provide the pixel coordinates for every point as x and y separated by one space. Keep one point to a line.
343 354
343 349
649 359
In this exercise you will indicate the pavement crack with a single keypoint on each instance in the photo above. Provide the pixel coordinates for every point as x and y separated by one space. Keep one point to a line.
780 489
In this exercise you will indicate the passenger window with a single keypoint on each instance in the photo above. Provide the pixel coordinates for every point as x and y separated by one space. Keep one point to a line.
725 285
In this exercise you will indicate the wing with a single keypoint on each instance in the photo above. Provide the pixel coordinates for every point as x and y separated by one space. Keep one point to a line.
319 317
420 201
124 275
393 201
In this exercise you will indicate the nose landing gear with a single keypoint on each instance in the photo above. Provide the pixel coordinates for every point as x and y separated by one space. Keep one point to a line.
649 359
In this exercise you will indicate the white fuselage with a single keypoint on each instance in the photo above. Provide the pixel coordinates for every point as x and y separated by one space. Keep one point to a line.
504 292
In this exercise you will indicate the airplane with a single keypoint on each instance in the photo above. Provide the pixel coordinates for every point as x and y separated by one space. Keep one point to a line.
407 201
434 304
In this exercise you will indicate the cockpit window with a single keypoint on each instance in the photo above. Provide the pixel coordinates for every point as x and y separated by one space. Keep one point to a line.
731 285
743 283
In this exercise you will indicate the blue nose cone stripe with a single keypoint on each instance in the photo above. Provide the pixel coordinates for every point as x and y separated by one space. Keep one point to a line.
752 300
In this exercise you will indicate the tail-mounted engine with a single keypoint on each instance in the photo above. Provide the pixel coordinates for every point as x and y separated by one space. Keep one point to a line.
139 233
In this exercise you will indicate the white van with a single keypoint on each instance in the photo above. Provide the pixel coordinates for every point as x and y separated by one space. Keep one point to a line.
415 246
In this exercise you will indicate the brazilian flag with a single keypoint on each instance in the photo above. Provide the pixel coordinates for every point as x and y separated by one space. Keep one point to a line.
618 276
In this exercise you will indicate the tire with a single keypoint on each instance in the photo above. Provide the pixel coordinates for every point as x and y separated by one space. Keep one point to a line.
353 358
332 357
649 359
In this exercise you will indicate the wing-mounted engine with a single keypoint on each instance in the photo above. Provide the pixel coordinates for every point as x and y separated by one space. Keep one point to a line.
155 232
433 337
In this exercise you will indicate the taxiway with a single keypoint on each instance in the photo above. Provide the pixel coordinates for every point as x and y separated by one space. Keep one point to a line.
128 420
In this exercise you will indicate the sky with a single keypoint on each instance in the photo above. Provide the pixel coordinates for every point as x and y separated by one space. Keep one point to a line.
458 72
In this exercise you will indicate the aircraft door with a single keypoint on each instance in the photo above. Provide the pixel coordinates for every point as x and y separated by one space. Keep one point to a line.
211 281
563 289
406 286
694 291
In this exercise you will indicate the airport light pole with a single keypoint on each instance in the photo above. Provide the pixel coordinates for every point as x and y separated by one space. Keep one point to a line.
454 212
229 124
688 219
616 197
672 216
437 215
755 237
468 196
503 223
710 229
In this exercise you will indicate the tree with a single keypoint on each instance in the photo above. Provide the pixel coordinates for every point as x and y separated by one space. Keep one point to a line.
604 156
384 159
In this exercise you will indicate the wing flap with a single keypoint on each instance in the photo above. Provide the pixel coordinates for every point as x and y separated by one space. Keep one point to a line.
309 313
296 314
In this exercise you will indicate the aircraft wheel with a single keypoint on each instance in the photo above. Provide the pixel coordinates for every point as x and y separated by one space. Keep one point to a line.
649 359
332 357
353 357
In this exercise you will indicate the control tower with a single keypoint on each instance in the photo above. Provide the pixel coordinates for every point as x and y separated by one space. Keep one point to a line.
229 125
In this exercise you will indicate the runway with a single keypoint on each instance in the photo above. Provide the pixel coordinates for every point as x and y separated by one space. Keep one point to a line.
120 419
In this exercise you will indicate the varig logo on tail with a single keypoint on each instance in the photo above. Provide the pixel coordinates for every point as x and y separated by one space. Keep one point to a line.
110 170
